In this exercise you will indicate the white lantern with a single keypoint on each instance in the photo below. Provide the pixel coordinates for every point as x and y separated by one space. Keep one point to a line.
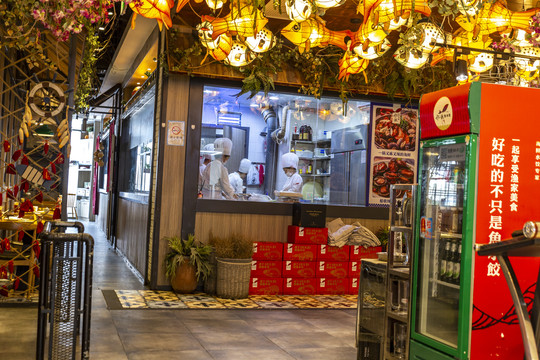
397 22
526 64
204 30
240 55
327 4
263 41
298 10
482 62
214 4
373 52
411 59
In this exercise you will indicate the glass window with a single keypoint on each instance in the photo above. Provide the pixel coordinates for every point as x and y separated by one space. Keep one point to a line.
330 143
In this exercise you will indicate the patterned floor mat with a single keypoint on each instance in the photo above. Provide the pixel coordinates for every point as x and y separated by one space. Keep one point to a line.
149 299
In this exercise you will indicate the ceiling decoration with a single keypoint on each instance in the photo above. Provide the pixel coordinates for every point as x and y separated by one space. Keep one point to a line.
238 31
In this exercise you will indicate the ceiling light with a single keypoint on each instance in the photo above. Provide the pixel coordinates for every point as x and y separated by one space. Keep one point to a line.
101 28
109 13
149 69
460 70
138 83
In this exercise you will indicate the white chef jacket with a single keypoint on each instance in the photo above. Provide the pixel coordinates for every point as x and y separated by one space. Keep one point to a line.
215 181
236 182
293 183
201 171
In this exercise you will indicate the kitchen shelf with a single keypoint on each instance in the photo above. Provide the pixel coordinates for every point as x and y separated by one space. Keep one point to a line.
399 317
320 141
315 158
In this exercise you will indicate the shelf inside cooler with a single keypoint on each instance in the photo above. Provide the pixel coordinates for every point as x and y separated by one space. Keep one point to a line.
447 284
396 228
447 235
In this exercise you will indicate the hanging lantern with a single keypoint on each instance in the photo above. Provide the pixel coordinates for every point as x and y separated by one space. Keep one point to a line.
214 4
351 63
520 38
327 4
153 9
218 48
482 62
312 33
413 59
469 7
398 22
431 35
495 17
244 22
240 55
523 78
263 41
298 10
526 64
373 52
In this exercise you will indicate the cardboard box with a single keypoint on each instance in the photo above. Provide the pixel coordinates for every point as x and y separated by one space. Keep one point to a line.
309 215
297 286
266 268
333 286
359 252
353 285
266 286
332 269
300 252
333 253
267 251
307 235
299 269
354 268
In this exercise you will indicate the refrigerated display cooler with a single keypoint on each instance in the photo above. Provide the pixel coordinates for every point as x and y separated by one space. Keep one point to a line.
479 180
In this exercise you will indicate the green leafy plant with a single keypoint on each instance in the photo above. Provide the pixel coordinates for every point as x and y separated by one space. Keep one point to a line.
382 234
234 246
182 249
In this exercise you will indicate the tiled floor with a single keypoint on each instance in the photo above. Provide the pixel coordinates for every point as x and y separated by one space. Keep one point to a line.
187 333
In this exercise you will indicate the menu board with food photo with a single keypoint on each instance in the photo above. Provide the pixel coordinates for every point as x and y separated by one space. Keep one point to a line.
394 150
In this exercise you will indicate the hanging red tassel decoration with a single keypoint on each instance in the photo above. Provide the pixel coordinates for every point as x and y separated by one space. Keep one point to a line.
1 198
25 185
21 213
11 267
24 160
60 159
3 272
46 147
35 269
16 155
46 174
4 291
10 169
39 197
15 190
37 248
16 283
21 235
7 146
56 214
54 186
7 244
53 168
39 227
2 247
10 195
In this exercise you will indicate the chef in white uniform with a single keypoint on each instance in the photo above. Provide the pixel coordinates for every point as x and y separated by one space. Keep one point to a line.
206 158
215 182
237 178
289 162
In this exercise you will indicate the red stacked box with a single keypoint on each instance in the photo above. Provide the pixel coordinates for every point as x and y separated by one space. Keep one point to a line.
307 235
333 253
266 268
353 285
327 286
300 252
298 286
333 269
299 269
359 252
354 269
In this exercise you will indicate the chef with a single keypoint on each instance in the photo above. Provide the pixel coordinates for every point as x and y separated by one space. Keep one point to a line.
237 178
289 162
206 158
215 181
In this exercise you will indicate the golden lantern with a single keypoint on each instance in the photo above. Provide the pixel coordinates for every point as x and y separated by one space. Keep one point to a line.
240 55
469 7
526 64
520 38
482 62
263 41
373 51
215 4
413 59
398 22
298 10
327 4
351 63
312 33
181 5
244 22
497 18
523 78
153 9
218 48
431 35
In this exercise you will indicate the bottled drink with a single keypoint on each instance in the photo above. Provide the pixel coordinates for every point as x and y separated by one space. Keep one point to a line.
450 261
457 265
443 268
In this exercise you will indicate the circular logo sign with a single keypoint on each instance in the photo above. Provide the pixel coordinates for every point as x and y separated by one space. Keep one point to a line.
442 113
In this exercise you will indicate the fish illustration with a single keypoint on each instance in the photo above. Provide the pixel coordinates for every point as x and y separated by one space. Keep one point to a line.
351 63
312 33
153 9
245 22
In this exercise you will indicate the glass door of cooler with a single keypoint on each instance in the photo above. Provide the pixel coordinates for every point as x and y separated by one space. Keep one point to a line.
442 181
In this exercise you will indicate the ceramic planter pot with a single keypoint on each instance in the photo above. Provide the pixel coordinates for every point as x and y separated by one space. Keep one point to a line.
185 280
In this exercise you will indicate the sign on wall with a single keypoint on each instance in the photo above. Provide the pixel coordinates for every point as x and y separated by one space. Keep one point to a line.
176 133
394 149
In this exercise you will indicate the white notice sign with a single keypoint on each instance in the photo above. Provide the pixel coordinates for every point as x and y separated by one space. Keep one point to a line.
175 133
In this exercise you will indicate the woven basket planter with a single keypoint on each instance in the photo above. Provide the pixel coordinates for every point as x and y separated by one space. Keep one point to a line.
233 278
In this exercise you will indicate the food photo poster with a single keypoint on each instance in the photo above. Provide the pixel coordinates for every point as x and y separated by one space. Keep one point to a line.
394 150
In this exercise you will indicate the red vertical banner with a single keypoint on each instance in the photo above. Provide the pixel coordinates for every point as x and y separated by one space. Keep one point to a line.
508 193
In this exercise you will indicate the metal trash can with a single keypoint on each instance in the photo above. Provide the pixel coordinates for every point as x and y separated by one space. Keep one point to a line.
65 297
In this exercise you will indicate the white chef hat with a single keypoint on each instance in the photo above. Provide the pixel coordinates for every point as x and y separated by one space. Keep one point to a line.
244 166
223 145
208 147
289 160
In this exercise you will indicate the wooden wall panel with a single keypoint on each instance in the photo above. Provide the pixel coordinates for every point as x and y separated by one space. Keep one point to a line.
102 216
132 232
173 165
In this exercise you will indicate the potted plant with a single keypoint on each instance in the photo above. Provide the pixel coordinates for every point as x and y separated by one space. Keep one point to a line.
233 257
382 234
186 262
